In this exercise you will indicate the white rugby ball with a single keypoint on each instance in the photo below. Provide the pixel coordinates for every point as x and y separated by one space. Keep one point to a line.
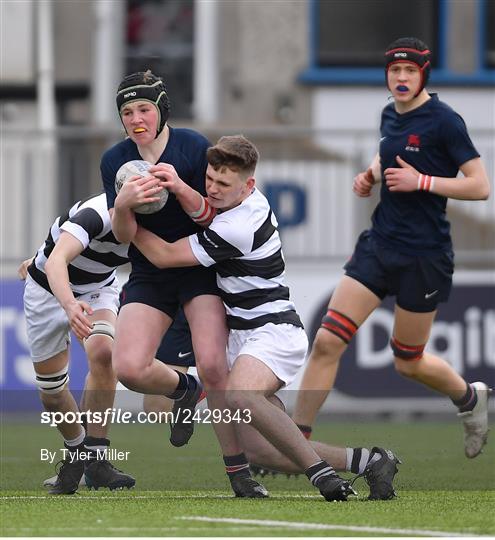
138 167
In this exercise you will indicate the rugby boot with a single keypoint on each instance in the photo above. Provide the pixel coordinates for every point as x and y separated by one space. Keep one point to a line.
50 482
68 476
476 422
380 474
182 425
244 485
101 473
335 488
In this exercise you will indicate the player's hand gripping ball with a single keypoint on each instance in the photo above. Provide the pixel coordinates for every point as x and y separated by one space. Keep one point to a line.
139 167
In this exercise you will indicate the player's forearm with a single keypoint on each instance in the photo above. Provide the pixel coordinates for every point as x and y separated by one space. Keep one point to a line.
124 224
188 198
468 188
164 254
154 248
58 278
375 167
195 205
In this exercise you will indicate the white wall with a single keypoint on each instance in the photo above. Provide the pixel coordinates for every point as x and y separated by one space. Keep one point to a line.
360 108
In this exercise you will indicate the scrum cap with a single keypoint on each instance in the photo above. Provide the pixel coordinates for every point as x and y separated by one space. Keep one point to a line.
410 50
144 86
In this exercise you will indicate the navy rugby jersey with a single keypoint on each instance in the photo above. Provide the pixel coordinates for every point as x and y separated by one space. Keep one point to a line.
433 139
186 151
244 245
94 268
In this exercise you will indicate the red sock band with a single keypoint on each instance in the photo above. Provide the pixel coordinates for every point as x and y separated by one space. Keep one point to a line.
339 324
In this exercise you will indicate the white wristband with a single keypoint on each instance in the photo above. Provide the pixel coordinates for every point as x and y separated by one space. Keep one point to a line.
420 182
200 211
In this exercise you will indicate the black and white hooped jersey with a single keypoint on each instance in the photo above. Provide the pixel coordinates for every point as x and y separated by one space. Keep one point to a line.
244 245
89 222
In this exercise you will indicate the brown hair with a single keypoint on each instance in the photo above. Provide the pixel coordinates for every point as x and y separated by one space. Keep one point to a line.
234 152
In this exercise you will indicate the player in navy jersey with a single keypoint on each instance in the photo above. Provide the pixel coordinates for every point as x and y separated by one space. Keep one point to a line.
152 296
407 253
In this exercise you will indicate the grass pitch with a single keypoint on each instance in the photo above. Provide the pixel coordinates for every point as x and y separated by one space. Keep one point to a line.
184 492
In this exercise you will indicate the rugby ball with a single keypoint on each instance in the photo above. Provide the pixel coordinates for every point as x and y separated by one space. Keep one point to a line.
138 167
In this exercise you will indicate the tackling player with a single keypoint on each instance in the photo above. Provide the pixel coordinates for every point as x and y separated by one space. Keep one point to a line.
267 344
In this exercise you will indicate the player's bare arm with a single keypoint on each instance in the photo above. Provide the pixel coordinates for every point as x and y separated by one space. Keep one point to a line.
473 186
364 181
138 190
66 250
22 270
164 254
193 203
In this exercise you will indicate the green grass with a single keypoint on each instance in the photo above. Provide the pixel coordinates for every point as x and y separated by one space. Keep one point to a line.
439 489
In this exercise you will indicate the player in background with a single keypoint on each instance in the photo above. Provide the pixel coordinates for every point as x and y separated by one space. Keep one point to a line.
72 284
267 344
152 296
407 252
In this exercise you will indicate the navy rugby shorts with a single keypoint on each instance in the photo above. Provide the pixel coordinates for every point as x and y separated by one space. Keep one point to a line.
170 289
420 282
176 346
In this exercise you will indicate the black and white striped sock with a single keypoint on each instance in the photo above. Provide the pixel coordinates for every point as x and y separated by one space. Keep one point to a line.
318 471
96 447
357 459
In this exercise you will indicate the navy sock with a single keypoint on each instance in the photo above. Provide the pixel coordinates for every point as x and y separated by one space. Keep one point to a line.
468 400
187 384
305 430
236 465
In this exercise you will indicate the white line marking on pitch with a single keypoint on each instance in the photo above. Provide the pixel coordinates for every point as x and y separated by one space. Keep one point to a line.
119 495
322 526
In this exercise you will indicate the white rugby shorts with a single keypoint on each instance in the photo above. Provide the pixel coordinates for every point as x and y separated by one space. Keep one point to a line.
48 329
281 347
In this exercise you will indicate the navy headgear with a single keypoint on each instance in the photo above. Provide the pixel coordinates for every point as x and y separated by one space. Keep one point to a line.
144 86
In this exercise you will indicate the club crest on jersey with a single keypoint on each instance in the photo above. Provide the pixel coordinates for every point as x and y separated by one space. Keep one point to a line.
413 143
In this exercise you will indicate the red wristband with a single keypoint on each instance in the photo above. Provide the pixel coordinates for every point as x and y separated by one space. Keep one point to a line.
426 182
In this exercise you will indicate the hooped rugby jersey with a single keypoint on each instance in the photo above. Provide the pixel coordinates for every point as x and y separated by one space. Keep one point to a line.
186 151
433 139
244 245
95 267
